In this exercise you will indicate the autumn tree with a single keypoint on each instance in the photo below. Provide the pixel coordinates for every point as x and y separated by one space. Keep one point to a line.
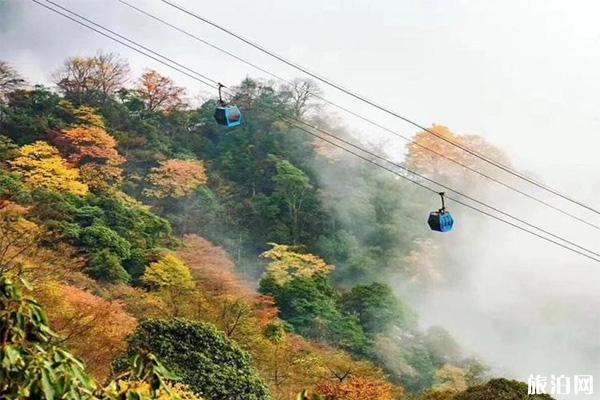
19 237
176 178
356 388
451 378
159 93
434 165
229 301
41 166
82 116
9 80
287 363
146 379
93 328
211 267
91 80
290 262
500 389
94 151
169 272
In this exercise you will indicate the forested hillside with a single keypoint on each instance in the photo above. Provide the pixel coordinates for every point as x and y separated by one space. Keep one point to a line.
147 251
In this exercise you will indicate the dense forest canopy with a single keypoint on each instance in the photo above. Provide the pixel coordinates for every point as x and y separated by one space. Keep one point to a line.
173 257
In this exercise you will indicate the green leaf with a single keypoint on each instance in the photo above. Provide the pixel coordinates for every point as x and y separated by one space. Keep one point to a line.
47 386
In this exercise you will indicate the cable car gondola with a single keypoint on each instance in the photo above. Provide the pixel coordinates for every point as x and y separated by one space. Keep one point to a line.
227 115
441 220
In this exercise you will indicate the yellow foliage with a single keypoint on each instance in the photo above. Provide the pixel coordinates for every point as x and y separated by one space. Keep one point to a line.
18 237
450 377
83 115
168 272
41 166
287 263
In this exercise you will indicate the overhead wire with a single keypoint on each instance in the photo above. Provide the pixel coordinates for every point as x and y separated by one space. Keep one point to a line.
363 118
380 107
458 201
296 121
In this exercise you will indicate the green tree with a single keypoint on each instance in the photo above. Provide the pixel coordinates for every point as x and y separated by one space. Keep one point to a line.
301 286
106 266
293 187
205 360
98 237
30 113
377 308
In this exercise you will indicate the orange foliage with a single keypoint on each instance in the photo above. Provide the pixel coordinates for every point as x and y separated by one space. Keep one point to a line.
138 302
92 327
211 267
84 145
94 151
176 178
159 93
433 165
356 388
265 309
215 273
288 366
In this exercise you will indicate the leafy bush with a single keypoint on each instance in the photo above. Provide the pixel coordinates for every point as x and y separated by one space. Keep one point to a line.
106 266
500 389
98 237
30 366
209 363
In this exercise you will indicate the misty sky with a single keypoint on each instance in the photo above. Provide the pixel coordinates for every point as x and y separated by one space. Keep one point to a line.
525 74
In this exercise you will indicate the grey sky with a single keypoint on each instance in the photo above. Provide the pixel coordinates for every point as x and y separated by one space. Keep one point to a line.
524 74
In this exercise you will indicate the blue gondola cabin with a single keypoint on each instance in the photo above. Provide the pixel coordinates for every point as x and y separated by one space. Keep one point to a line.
228 116
440 221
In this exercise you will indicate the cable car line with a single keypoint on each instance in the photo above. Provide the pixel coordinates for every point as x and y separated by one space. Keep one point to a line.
129 40
458 201
365 119
296 122
372 103
423 177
